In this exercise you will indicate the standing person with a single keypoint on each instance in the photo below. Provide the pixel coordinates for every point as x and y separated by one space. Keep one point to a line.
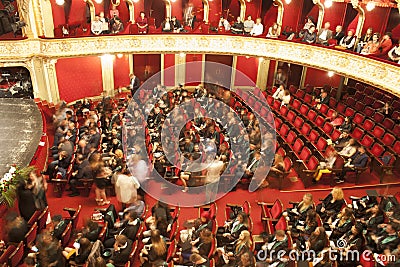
134 83
26 199
126 187
101 173
39 188
142 23
212 179
138 168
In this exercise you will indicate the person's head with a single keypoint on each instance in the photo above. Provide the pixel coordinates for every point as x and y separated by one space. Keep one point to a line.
221 19
56 219
324 94
120 240
131 215
388 35
257 155
238 19
206 235
195 258
369 31
391 228
142 14
337 193
245 257
278 158
91 226
101 14
280 235
113 7
100 262
167 19
339 28
307 198
361 149
258 20
350 32
244 236
97 18
92 131
248 17
205 216
352 142
346 213
312 29
30 261
275 26
319 231
242 217
356 229
311 215
84 243
327 25
173 18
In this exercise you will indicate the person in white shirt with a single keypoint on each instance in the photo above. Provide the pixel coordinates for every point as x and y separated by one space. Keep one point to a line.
248 25
279 93
212 179
324 34
286 98
97 26
224 23
258 28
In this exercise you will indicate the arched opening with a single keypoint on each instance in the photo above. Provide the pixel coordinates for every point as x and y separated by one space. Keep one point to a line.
157 10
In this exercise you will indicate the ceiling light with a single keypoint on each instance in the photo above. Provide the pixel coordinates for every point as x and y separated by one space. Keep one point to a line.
328 3
98 1
135 1
260 59
370 6
288 1
330 74
120 55
60 2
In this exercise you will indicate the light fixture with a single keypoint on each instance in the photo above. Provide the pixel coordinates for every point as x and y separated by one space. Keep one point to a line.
173 1
98 1
182 54
135 1
260 59
107 58
330 74
328 3
60 2
288 1
120 55
370 6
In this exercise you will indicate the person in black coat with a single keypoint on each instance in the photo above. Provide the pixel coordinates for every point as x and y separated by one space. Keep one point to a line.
16 228
122 250
26 201
128 227
134 83
332 204
81 169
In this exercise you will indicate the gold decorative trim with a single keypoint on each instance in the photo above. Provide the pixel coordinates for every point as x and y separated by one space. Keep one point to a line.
131 7
92 9
321 13
206 11
242 14
279 18
361 17
376 73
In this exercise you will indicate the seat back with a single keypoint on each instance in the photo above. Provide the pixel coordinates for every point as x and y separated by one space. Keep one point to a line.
282 224
246 207
43 219
17 256
30 237
171 250
103 232
66 235
276 209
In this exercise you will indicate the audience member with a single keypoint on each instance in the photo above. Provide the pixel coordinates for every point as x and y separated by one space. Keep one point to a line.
324 35
273 31
257 29
238 26
142 23
248 25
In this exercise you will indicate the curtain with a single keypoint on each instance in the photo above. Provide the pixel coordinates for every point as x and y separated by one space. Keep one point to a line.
67 10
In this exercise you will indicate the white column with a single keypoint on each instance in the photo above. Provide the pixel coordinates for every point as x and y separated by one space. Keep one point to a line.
180 68
262 73
107 71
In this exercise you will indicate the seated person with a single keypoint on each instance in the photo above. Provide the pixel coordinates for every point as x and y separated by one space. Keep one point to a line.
90 231
199 260
80 253
332 161
138 206
341 224
394 54
299 213
142 23
347 125
122 250
331 204
303 229
273 31
358 160
248 25
252 167
117 26
276 242
238 26
324 35
167 25
322 99
384 46
257 29
58 226
349 148
242 245
348 41
128 227
309 35
231 230
277 168
365 39
279 92
176 24
160 209
374 216
387 237
16 228
155 251
224 23
201 246
81 170
372 46
335 120
96 26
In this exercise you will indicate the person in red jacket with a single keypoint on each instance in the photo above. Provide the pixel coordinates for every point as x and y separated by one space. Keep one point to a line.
384 46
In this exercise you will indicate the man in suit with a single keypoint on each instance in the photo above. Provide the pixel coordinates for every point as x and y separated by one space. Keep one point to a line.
59 226
81 169
339 34
95 137
358 160
134 83
275 243
324 34
122 250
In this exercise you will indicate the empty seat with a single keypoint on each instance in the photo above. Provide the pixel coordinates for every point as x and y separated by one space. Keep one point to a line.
276 105
305 129
321 144
313 136
324 109
396 147
360 87
396 129
305 154
377 150
368 125
300 93
368 111
340 107
298 122
284 110
377 95
296 104
349 112
378 117
378 104
357 133
388 139
291 137
278 123
367 141
368 101
335 135
298 145
388 123
378 132
332 102
319 121
359 106
359 96
369 90
284 130
308 98
351 101
396 104
327 128
303 109
291 116
358 118
311 115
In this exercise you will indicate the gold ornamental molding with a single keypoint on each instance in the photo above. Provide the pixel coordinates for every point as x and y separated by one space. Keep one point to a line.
376 73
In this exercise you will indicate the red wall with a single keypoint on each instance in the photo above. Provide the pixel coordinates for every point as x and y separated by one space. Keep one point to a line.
121 71
169 70
217 73
270 17
146 65
177 9
271 72
377 19
335 14
247 68
292 14
215 11
318 78
234 10
79 77
193 70
253 9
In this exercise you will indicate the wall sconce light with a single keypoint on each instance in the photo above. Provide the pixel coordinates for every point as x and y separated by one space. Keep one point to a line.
60 2
288 1
98 1
120 55
260 59
182 54
330 74
328 3
370 6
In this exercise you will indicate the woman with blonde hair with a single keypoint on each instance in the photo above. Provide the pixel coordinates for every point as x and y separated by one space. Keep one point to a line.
299 212
242 246
332 204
